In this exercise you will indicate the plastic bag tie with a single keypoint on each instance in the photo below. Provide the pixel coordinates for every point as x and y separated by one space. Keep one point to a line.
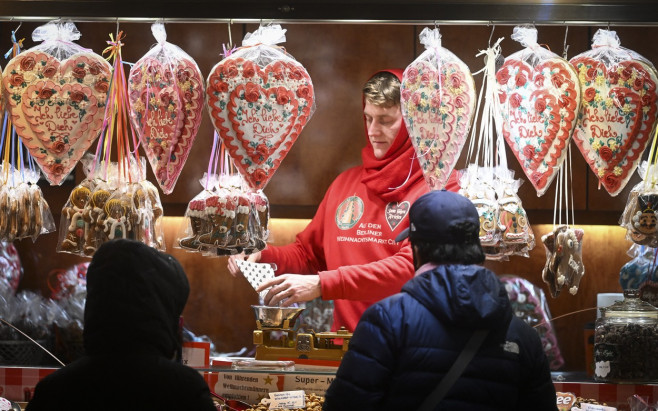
56 31
605 38
159 32
268 35
527 36
430 38
65 33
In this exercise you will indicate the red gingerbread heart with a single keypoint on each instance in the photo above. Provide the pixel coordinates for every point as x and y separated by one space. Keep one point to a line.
166 102
438 108
259 112
57 107
616 119
536 114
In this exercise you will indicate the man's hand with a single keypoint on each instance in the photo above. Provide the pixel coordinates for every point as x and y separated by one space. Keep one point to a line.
233 265
288 289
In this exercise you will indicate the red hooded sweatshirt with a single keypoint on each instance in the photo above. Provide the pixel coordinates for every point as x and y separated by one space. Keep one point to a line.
350 242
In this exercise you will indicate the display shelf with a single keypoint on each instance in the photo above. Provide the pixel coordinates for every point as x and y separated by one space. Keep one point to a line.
17 383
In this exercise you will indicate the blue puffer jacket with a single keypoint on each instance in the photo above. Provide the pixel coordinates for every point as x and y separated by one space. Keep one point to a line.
404 344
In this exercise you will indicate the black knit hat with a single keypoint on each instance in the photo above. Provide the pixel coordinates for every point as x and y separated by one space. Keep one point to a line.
135 296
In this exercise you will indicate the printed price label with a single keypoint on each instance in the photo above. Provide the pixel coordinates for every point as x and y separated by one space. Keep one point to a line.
287 399
602 368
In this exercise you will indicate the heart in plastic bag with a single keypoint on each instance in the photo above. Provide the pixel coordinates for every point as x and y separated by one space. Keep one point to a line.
616 119
259 112
537 114
57 107
166 102
438 109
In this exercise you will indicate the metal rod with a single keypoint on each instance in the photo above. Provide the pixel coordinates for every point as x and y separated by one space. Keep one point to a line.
329 21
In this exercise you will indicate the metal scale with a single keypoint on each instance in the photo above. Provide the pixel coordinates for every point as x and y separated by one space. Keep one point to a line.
276 340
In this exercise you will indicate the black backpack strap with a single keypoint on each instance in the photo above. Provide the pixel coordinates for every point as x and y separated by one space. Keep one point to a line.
455 371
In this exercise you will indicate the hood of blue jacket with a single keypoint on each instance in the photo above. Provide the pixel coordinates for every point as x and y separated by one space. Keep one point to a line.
468 296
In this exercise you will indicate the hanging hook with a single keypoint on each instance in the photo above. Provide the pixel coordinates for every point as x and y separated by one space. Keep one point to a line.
565 47
436 25
491 35
19 26
117 33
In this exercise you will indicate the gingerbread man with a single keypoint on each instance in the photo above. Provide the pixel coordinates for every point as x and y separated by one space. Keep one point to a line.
73 212
116 224
93 215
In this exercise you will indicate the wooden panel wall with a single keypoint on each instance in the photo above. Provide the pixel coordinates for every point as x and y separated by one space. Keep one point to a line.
339 58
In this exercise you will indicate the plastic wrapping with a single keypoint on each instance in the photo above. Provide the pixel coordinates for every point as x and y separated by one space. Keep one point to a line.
105 206
166 93
504 226
640 403
564 260
259 100
69 292
538 100
476 184
437 98
24 212
225 218
56 94
11 269
619 109
26 311
640 269
641 212
529 304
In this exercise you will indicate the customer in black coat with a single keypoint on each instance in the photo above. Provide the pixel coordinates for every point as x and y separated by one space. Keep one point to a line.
405 345
135 296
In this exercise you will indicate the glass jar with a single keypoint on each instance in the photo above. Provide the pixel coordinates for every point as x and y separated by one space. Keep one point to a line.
626 341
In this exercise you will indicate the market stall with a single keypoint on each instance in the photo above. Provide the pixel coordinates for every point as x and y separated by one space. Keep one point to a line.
338 46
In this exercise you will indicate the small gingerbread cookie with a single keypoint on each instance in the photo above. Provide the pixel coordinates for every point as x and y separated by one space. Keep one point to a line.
72 215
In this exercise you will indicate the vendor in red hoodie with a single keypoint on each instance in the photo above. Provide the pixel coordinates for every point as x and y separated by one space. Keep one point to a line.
348 252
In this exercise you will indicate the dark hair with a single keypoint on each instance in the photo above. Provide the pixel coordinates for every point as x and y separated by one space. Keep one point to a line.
467 251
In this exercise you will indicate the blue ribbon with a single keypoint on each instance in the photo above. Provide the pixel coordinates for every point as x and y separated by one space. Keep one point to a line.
13 41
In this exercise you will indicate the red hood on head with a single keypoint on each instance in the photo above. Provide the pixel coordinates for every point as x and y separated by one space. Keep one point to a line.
392 175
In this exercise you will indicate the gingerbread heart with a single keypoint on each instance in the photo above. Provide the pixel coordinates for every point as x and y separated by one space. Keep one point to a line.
166 102
259 112
57 107
537 108
616 119
438 107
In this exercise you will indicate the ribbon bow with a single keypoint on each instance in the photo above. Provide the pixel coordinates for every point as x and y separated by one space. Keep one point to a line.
114 47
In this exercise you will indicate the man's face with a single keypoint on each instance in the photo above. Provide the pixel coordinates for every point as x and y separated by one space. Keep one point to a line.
383 124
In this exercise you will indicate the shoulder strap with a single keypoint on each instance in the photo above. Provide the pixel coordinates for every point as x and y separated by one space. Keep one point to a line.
455 371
